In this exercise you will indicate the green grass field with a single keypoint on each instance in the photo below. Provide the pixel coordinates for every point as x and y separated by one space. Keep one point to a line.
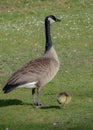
22 38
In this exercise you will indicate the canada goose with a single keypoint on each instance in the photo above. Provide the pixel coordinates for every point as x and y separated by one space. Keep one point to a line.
63 98
38 72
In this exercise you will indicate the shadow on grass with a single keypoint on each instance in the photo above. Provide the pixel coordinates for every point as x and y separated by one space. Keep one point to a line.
50 107
8 102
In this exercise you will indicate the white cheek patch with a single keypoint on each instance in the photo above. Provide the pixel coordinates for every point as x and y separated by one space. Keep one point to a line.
28 85
51 20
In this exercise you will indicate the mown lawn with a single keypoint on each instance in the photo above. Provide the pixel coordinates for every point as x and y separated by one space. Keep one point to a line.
22 38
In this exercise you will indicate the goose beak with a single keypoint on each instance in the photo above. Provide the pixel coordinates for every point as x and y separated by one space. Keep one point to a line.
58 20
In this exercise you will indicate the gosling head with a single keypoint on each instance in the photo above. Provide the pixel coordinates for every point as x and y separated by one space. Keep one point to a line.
51 19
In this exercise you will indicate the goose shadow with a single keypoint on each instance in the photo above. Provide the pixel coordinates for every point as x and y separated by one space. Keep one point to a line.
50 107
8 102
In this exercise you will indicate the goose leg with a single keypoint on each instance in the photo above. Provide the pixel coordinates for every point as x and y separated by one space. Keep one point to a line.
38 96
33 95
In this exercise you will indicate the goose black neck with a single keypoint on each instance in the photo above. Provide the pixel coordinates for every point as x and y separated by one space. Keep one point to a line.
48 36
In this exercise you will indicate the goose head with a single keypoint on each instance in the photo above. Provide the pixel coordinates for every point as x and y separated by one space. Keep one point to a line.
51 19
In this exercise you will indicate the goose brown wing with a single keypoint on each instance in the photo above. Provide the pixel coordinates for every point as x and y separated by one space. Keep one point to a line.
31 72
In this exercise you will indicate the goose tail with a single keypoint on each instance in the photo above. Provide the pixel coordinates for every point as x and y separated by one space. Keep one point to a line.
8 88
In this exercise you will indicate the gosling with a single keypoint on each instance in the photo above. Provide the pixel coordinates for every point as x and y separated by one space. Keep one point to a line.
63 98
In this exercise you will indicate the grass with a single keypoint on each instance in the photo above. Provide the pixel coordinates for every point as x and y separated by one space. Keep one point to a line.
22 38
